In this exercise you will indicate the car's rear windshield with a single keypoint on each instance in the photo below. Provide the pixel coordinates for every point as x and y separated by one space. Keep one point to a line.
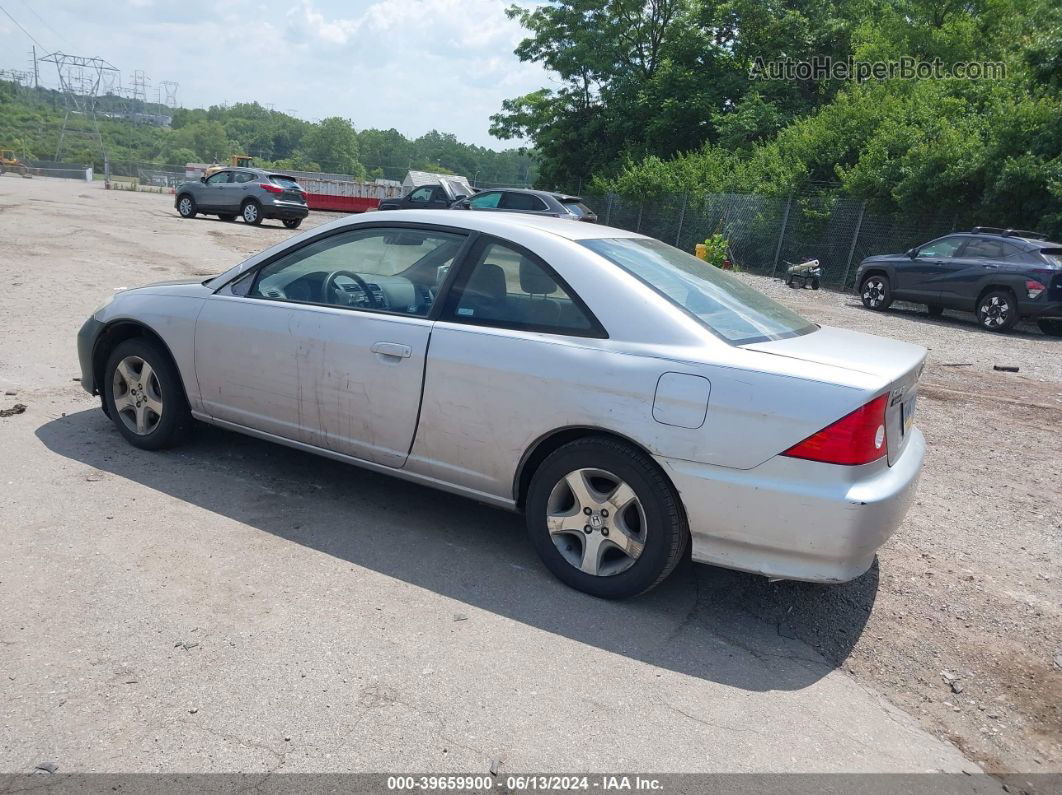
283 181
1052 255
576 207
726 305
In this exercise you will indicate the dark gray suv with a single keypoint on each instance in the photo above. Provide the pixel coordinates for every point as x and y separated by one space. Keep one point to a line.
534 202
1002 275
250 193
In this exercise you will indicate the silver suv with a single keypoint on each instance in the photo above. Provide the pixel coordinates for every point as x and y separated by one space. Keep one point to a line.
251 193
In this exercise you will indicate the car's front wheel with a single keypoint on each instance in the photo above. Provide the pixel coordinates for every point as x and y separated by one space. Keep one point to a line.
605 519
252 213
875 292
143 395
1050 327
292 223
997 310
186 206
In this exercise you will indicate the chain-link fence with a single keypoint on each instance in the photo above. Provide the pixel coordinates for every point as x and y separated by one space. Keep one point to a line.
765 233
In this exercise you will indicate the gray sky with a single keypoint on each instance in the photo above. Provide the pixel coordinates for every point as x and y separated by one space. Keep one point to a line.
409 64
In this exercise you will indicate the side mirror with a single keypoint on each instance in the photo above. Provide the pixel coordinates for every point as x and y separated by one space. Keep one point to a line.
440 275
202 178
912 252
460 197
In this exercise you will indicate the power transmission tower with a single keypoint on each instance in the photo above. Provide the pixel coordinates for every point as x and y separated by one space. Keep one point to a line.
79 80
169 89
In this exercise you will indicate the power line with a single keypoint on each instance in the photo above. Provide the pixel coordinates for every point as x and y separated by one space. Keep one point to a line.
43 22
22 28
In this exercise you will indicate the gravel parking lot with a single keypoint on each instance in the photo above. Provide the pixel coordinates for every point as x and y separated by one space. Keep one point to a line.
233 605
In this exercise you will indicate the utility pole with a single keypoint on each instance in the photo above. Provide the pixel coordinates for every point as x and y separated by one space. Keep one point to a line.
36 75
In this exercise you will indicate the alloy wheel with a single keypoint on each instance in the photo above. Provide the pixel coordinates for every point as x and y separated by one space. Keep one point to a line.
137 395
250 213
596 521
873 292
995 311
185 207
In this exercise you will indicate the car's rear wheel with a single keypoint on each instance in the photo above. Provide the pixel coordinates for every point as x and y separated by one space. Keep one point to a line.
186 206
875 292
935 310
604 518
226 217
997 310
292 223
143 394
251 212
1050 327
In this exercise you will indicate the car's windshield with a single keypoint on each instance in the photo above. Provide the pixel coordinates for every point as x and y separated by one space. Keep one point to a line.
727 306
284 182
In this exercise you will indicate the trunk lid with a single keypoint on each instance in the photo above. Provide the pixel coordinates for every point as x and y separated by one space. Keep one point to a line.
897 364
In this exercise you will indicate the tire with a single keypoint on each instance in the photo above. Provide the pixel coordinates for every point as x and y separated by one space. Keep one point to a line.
186 206
791 282
997 310
652 525
129 402
226 217
251 211
875 292
1050 327
292 223
935 310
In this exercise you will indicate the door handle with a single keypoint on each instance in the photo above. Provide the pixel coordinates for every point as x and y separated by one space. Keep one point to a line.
395 349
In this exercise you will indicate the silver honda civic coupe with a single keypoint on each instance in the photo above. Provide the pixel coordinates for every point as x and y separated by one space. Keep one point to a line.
629 399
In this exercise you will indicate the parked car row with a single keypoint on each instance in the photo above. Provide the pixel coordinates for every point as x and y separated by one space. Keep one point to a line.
511 200
1002 275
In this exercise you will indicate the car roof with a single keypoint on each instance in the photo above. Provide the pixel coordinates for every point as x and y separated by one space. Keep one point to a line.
494 223
1023 243
533 192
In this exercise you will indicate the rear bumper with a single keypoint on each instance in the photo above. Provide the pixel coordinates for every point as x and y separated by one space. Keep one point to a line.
794 519
285 210
1036 310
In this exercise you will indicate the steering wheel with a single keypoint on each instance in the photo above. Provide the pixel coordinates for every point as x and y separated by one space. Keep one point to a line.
330 285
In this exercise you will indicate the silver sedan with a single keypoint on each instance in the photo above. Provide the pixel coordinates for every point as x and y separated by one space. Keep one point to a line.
630 400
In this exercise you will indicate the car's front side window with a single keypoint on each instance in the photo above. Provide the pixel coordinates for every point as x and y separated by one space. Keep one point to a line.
724 304
221 178
945 247
383 269
507 287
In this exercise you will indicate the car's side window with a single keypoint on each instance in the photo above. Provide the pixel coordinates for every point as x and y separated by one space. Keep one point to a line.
221 178
421 194
508 287
522 201
945 247
382 269
485 200
992 249
245 176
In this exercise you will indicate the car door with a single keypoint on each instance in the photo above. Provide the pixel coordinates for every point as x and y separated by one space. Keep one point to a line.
325 344
523 203
212 196
244 185
920 279
488 200
979 259
511 333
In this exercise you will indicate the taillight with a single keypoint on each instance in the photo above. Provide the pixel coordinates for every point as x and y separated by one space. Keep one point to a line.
271 188
1033 288
856 438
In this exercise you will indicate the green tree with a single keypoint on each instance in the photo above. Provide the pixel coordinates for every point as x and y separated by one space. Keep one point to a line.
334 144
